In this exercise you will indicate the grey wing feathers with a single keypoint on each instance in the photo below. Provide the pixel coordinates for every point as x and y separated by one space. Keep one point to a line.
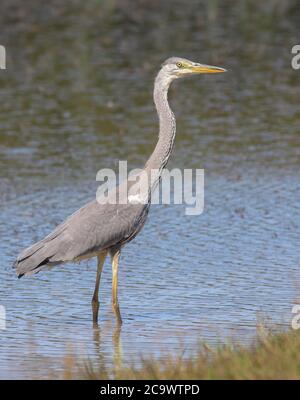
89 230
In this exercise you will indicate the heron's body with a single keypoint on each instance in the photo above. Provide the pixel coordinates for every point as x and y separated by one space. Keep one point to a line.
98 228
81 236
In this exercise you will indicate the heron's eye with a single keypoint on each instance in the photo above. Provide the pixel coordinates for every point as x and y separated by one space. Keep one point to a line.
179 65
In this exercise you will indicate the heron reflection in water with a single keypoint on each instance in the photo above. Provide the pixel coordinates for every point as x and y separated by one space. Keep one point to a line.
96 230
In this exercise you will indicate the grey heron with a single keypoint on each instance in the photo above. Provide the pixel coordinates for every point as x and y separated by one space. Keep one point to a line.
99 229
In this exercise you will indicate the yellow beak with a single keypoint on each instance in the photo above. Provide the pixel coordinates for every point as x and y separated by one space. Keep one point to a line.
206 69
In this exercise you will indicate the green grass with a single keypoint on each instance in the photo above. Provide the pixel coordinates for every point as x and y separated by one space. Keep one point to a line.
272 356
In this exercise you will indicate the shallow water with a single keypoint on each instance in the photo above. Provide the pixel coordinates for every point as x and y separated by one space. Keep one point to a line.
76 97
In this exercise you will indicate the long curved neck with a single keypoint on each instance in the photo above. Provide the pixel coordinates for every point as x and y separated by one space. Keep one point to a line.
167 125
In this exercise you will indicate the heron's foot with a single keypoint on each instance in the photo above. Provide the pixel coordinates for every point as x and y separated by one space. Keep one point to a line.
116 310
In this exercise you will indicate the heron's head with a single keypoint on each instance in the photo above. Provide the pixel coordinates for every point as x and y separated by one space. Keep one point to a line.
176 67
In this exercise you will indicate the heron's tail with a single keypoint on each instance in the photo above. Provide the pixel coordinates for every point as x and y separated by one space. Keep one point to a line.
41 255
34 259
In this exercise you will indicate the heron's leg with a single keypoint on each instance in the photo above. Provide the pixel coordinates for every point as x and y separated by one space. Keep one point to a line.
95 300
115 304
